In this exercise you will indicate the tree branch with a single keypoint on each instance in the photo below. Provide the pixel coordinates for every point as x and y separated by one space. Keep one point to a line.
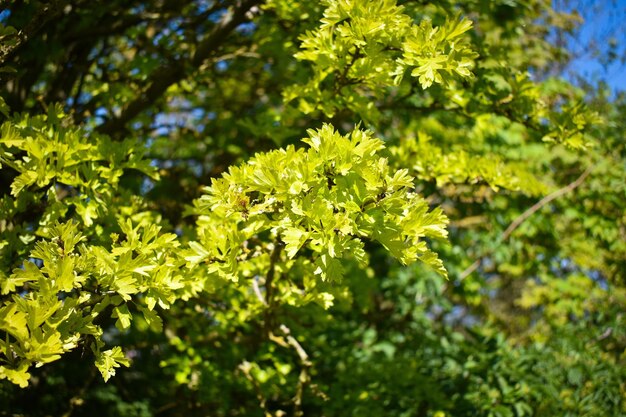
246 368
46 13
288 341
525 215
269 277
175 71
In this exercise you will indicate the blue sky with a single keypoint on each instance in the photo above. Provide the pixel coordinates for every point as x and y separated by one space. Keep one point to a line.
604 23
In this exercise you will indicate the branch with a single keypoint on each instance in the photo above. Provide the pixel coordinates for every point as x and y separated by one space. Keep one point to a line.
257 291
304 357
286 341
547 199
269 277
45 14
525 215
175 71
246 367
304 378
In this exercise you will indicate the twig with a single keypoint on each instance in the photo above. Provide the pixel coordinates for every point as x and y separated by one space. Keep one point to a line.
547 199
43 15
304 357
165 407
245 367
257 291
288 341
269 276
525 215
473 267
161 79
607 333
269 286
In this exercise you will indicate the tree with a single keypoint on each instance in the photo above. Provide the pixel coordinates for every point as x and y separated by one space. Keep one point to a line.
447 239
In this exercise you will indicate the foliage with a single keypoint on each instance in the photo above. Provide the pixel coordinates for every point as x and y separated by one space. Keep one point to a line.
448 238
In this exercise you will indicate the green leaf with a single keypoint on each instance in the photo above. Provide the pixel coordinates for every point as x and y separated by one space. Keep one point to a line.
124 317
294 238
19 376
152 318
109 360
329 268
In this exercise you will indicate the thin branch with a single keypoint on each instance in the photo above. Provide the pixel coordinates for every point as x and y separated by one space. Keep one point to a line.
241 52
176 70
607 333
304 357
165 407
46 13
525 215
287 340
468 222
473 267
547 199
257 291
271 272
246 367
304 378
303 381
